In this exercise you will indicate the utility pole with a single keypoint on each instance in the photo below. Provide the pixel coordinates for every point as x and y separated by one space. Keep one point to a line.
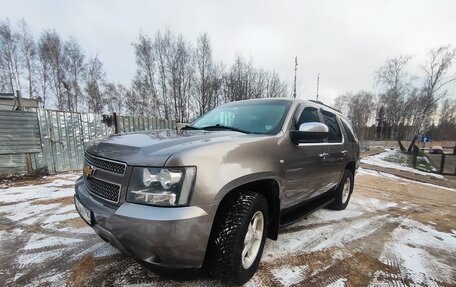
296 68
318 84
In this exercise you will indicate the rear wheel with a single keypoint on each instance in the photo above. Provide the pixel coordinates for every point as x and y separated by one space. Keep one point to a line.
343 191
238 236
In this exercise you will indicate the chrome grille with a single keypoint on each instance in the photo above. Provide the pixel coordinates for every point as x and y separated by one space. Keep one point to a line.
103 189
112 166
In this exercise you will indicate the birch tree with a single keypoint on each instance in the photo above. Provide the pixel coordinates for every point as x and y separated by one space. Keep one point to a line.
51 52
28 58
95 82
75 68
9 57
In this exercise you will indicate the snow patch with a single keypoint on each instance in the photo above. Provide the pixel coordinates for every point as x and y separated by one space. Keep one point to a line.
37 241
339 283
363 171
290 275
416 246
379 160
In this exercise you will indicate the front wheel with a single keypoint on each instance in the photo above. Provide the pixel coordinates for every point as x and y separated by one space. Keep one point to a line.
343 191
238 236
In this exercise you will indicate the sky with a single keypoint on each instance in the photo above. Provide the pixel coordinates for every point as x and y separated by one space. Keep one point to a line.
345 41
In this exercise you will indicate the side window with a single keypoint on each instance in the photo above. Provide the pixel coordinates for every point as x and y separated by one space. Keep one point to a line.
335 135
349 132
308 114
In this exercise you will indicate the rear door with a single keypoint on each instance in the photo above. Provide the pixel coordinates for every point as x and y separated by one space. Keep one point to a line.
336 149
351 142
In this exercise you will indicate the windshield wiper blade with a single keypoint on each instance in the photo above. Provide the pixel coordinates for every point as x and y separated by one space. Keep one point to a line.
187 127
219 126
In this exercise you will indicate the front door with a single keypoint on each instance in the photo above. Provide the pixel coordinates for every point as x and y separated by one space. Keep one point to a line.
305 164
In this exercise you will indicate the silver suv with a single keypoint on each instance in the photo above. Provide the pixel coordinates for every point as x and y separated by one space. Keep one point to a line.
209 195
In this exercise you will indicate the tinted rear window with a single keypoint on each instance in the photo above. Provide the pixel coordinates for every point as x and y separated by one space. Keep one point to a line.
335 134
349 132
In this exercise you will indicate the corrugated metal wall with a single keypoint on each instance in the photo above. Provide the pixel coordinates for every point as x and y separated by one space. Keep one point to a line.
55 140
19 132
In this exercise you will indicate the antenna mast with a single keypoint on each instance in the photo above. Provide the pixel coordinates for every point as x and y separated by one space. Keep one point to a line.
296 68
318 84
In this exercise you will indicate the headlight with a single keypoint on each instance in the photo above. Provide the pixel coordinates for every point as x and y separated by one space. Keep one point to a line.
161 186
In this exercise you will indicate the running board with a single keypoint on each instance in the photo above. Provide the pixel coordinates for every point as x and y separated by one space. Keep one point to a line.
292 216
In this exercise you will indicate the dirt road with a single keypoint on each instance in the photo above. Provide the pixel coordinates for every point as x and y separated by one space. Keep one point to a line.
394 233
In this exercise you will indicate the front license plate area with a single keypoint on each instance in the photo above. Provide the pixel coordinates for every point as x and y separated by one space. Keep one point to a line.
84 212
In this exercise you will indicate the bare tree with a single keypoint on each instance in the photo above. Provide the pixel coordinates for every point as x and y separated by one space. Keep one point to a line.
162 46
95 82
447 120
436 78
9 56
359 108
51 52
275 87
204 96
28 57
144 80
74 68
180 76
44 79
244 81
395 81
116 95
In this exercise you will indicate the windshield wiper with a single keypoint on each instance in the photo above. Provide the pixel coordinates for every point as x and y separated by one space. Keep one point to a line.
219 126
187 127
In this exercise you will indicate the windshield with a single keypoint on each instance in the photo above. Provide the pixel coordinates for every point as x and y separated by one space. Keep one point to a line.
258 117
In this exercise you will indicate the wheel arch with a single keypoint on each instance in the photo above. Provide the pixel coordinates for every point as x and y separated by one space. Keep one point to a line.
270 189
351 166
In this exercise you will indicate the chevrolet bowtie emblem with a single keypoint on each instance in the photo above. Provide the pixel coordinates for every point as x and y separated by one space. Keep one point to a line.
88 170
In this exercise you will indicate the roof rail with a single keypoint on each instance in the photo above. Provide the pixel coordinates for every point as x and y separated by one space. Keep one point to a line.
321 103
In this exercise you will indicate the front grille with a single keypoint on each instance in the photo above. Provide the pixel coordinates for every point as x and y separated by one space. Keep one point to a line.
105 164
103 189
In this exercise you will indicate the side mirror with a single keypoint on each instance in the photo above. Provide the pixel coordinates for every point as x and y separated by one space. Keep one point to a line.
312 132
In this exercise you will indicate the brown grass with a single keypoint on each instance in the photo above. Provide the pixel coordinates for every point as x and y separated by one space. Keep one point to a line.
74 222
62 200
81 272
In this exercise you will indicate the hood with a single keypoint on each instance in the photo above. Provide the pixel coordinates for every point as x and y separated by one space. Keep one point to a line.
153 148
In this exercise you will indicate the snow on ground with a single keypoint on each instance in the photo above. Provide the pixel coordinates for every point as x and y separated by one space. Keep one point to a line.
379 160
363 171
415 247
47 240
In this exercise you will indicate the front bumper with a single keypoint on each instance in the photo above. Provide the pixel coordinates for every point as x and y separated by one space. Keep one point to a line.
174 237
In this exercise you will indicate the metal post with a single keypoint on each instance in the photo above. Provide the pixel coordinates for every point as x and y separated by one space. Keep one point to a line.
116 124
318 84
296 68
28 160
19 100
416 150
442 163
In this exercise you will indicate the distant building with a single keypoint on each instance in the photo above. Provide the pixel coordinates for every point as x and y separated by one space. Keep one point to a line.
8 102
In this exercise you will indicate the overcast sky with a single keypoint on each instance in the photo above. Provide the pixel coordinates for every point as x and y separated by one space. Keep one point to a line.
344 41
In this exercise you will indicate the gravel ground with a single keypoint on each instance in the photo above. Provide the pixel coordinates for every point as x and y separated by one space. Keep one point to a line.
395 232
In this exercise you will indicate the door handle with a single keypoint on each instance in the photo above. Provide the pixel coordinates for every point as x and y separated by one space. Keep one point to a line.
344 152
324 155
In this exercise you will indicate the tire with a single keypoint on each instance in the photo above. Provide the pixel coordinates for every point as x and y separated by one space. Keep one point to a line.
343 195
224 257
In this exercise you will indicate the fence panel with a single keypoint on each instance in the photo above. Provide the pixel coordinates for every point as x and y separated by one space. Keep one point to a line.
55 140
19 132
